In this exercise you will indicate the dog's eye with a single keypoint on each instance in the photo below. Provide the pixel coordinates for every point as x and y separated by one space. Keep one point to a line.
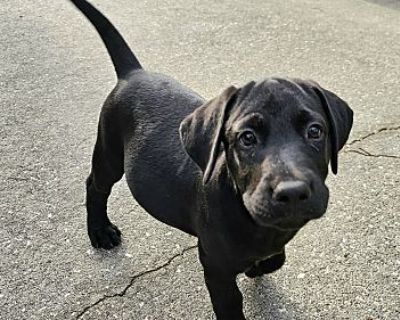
247 138
315 132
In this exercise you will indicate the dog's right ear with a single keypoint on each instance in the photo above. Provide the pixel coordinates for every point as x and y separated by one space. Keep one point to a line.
202 131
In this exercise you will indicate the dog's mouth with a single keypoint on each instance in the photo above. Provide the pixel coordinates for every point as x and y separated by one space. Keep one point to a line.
288 225
268 214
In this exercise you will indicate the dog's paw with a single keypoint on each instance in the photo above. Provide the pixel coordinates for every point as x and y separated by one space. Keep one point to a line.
266 266
106 237
254 272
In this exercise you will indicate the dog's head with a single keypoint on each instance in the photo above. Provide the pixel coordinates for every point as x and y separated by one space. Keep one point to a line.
277 138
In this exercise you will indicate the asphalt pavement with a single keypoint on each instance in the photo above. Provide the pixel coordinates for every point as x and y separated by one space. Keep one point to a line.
54 77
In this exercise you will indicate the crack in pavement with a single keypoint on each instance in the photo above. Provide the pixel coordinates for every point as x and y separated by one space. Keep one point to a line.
133 278
373 133
366 153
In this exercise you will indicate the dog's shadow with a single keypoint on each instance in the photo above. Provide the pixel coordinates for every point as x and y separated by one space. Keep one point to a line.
265 302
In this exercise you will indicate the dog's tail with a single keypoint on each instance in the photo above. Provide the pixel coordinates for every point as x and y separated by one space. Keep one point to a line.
121 55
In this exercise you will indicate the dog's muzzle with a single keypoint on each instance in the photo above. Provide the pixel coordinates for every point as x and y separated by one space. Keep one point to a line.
290 205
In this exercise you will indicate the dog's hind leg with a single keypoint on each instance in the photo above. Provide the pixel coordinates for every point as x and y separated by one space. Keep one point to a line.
267 266
107 169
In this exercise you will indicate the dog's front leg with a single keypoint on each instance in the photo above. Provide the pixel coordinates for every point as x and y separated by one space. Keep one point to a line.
226 297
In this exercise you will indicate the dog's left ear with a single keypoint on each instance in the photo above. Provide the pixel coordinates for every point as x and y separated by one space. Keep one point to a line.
340 119
202 131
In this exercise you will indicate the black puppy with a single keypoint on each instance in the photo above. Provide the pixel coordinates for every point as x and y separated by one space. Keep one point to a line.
243 172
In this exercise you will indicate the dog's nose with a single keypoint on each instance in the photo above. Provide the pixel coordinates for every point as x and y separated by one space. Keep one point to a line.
291 192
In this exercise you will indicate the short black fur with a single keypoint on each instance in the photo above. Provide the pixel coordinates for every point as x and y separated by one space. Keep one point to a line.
186 164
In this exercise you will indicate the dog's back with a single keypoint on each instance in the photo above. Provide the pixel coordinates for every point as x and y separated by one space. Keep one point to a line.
142 108
148 107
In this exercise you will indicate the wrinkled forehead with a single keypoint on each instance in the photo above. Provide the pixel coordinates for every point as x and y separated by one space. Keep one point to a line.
276 98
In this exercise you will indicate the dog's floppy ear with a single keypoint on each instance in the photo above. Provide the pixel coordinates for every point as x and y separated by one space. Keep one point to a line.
202 131
340 118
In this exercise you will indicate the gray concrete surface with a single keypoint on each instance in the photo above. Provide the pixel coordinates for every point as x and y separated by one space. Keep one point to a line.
54 76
